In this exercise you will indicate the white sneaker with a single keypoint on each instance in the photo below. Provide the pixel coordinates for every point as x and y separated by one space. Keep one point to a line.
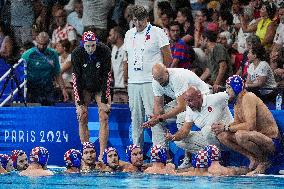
185 164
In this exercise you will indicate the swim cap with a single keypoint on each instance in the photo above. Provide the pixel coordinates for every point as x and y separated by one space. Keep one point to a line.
201 160
89 36
108 150
129 151
73 158
237 83
4 159
213 152
39 155
14 156
158 154
88 145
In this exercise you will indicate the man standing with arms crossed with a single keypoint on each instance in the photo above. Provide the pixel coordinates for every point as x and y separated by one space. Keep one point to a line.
145 45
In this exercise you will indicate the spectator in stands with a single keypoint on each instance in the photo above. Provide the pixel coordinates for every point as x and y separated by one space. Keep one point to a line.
22 18
63 30
219 65
251 41
72 160
63 49
20 160
159 162
42 67
172 82
116 38
166 19
260 74
145 45
203 110
254 132
75 18
265 27
279 36
39 159
134 155
184 17
162 7
226 27
128 16
6 42
201 21
183 54
279 71
91 80
97 19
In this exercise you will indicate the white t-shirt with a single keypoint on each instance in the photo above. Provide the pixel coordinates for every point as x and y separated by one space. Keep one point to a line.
143 52
117 55
179 80
214 110
241 38
67 76
76 22
279 35
263 69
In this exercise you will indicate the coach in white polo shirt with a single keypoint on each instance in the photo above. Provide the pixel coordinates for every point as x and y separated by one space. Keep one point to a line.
145 45
203 111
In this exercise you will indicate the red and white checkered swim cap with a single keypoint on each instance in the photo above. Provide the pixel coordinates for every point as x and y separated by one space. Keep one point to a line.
213 152
88 145
88 36
73 158
39 155
202 160
158 154
14 156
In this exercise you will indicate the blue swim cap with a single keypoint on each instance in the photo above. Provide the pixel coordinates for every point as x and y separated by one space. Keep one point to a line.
4 159
73 158
201 160
129 151
108 150
39 155
158 154
213 152
237 83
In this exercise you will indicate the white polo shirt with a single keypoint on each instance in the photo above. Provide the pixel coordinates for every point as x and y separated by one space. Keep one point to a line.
117 56
145 51
179 80
214 109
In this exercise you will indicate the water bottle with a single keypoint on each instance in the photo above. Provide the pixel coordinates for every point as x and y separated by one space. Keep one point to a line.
278 101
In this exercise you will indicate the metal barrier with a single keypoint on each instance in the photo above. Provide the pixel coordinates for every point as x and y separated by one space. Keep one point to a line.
10 75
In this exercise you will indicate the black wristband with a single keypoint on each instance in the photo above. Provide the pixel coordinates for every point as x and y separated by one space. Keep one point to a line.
161 119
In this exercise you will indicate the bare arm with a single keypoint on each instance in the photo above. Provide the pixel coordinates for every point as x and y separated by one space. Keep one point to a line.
181 106
205 74
174 63
260 82
65 67
167 55
222 70
269 36
125 69
182 132
158 105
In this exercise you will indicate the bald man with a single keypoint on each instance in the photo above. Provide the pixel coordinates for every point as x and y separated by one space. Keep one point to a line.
42 68
172 82
203 110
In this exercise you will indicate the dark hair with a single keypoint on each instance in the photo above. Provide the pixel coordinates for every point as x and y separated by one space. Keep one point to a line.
140 12
227 16
65 44
120 31
270 9
254 40
185 11
210 35
205 12
259 52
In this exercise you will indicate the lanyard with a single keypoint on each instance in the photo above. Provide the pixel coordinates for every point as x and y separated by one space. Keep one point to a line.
147 32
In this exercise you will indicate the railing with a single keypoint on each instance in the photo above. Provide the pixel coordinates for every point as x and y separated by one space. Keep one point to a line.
11 76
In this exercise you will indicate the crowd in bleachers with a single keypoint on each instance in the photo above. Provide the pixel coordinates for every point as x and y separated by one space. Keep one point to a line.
215 39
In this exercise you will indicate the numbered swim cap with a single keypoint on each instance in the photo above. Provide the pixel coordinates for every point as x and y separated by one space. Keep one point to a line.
14 156
89 36
39 155
237 83
4 159
73 158
213 152
158 154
